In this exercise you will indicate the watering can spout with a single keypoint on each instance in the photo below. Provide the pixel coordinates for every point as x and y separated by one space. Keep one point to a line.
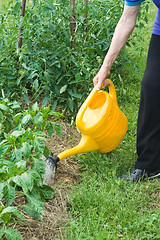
86 144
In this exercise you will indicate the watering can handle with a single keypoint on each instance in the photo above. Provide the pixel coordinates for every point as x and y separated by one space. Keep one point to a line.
112 91
84 106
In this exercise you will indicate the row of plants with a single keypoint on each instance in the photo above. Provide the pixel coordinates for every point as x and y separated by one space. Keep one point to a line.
46 63
23 143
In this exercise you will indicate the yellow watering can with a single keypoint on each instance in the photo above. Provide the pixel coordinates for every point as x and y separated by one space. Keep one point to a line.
101 122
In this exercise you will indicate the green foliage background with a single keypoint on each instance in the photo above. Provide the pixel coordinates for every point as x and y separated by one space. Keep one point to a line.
46 64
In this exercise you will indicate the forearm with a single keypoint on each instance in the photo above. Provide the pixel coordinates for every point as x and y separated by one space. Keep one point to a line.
122 32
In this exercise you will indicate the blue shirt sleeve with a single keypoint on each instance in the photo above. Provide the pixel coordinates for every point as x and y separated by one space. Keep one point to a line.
133 2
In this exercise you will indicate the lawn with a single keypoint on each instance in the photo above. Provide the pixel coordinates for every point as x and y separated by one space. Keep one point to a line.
103 207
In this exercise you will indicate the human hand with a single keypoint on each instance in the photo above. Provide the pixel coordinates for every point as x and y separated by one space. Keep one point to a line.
101 78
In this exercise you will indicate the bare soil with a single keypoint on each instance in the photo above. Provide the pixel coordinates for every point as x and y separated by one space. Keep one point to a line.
56 215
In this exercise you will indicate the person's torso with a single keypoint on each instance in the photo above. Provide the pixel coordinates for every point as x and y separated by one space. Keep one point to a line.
156 27
157 3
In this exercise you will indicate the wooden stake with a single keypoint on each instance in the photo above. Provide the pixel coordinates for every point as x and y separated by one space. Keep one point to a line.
23 4
72 22
85 5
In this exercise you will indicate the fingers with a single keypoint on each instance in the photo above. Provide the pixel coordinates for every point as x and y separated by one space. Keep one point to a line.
106 83
101 84
95 81
101 78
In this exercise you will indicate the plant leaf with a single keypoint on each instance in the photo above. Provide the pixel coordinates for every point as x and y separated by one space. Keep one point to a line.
45 100
16 155
8 210
63 89
49 128
38 120
36 176
2 229
36 202
26 98
1 116
74 94
70 104
1 190
46 192
4 149
21 165
3 107
54 105
46 152
39 146
9 194
57 128
26 119
35 106
36 84
17 133
12 234
17 117
13 210
39 165
25 181
18 214
31 212
26 150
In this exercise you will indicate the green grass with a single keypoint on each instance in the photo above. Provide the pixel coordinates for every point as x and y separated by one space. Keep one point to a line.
102 207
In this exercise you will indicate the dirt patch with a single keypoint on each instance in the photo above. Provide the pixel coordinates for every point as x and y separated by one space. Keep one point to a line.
56 214
67 171
53 221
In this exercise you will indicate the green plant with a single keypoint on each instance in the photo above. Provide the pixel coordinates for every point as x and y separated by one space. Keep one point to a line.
46 64
21 164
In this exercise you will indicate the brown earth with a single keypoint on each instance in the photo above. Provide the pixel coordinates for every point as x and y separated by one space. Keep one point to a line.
56 215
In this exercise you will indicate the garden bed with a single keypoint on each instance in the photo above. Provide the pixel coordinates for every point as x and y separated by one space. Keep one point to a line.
56 215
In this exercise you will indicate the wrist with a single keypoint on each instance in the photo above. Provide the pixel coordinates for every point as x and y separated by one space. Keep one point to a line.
107 63
110 58
106 67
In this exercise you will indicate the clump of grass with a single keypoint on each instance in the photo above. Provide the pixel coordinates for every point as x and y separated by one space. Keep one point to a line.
104 207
